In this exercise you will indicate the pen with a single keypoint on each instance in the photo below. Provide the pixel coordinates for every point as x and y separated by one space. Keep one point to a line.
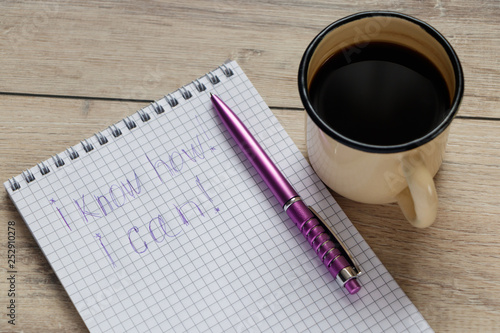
317 233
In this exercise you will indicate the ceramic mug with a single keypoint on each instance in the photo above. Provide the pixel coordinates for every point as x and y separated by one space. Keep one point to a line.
372 173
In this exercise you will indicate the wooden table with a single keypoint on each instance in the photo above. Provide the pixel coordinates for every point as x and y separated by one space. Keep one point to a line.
70 68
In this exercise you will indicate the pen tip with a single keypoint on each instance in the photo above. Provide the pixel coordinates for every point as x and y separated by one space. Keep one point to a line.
211 95
352 286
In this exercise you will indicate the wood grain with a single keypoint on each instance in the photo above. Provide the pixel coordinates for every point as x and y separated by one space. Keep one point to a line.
450 271
70 69
136 50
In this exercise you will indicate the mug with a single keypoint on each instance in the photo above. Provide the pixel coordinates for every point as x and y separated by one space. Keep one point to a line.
381 173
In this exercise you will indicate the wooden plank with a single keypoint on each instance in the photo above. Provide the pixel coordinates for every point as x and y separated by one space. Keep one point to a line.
450 270
136 50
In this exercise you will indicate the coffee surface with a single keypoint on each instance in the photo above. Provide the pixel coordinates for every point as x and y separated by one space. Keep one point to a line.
385 94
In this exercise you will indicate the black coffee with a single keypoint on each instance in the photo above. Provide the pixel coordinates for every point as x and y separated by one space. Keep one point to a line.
384 95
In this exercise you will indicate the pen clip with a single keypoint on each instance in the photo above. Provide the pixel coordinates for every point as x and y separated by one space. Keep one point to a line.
342 248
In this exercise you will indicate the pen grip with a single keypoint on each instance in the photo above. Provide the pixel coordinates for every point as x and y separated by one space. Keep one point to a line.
319 237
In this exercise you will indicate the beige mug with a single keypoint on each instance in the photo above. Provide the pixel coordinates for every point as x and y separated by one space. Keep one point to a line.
377 173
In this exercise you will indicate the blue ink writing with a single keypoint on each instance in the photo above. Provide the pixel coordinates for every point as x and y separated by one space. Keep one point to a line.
104 247
181 213
195 152
200 186
162 223
116 197
157 227
99 200
84 211
158 164
174 161
130 188
52 201
153 232
134 228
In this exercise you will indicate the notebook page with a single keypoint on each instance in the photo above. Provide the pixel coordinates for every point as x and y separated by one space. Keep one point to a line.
167 227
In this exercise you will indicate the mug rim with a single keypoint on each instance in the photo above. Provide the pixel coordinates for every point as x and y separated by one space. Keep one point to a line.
436 131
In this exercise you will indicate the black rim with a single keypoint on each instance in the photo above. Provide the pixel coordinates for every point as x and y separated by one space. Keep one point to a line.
459 84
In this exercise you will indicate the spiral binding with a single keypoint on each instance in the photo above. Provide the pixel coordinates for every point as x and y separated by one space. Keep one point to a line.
87 146
129 123
143 115
43 168
58 162
157 108
72 153
28 176
101 139
213 78
186 92
172 101
115 131
199 86
14 185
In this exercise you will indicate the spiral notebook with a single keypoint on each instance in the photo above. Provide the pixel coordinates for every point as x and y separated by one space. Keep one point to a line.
158 223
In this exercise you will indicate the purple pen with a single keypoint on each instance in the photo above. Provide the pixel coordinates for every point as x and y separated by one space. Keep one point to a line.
317 233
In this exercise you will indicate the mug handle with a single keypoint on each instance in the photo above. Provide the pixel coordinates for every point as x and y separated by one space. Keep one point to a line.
419 200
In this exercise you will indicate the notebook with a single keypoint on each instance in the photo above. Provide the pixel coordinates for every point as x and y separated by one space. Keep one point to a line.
158 223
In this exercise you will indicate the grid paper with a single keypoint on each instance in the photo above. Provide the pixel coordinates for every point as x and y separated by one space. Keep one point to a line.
168 228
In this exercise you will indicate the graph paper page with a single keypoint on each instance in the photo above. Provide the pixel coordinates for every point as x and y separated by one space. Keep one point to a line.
167 227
